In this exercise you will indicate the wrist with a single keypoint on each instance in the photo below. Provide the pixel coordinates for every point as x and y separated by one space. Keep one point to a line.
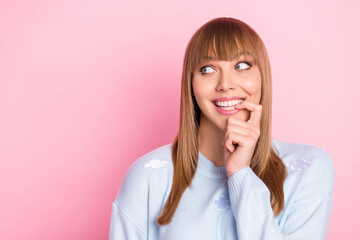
231 173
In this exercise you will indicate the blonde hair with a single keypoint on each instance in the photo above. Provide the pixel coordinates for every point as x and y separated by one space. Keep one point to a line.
223 38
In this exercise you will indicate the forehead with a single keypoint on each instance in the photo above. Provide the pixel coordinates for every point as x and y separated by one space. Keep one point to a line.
240 53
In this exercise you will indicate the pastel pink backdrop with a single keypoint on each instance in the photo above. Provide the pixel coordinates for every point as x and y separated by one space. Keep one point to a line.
87 87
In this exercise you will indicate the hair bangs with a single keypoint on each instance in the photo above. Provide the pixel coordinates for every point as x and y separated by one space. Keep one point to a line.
225 44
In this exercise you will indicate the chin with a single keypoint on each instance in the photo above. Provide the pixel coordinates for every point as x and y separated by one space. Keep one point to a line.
243 115
221 125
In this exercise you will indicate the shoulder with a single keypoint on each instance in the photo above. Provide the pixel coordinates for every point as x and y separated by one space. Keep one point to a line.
142 188
159 160
152 168
308 166
144 185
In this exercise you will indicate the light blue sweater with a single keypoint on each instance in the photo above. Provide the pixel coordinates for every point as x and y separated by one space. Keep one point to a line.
216 207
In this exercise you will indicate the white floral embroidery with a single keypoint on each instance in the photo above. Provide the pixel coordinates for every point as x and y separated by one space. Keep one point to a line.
299 164
222 203
156 163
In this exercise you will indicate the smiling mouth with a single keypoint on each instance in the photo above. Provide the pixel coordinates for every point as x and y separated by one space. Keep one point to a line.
228 105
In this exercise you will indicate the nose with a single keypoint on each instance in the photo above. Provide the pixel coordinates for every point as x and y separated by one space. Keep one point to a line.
225 82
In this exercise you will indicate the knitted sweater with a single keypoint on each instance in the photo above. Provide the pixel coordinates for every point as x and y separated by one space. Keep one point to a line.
215 207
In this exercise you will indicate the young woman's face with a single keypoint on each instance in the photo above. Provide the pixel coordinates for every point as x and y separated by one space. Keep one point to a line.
215 79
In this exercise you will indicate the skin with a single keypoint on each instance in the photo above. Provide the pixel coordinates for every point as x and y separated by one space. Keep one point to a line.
214 79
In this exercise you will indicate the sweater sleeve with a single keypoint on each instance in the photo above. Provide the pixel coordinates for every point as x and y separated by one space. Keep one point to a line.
308 217
121 226
129 216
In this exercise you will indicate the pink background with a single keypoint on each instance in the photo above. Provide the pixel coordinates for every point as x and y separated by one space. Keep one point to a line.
87 87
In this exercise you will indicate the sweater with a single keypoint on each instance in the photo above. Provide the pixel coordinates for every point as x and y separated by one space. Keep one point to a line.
215 207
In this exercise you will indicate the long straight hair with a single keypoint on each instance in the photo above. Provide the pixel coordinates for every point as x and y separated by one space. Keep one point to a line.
223 38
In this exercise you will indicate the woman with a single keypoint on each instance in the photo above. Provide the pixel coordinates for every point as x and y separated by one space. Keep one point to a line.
223 177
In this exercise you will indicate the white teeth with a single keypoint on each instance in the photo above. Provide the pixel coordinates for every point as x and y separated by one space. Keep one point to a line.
228 103
228 108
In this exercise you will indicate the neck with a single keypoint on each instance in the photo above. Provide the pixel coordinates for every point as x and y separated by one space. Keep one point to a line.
210 138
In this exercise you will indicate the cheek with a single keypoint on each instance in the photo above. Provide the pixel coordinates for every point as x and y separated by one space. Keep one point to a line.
201 90
253 85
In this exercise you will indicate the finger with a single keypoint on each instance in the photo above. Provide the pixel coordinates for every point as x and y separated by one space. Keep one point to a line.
241 134
228 142
233 139
242 140
255 111
235 122
241 130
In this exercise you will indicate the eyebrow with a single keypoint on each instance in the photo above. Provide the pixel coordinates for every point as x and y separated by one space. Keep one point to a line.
237 55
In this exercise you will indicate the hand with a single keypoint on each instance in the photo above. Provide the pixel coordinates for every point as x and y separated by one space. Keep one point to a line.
243 134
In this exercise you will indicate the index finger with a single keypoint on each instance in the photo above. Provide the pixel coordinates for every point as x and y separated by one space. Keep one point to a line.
255 111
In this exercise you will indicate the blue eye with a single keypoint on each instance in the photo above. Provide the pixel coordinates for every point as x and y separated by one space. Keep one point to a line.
243 65
205 70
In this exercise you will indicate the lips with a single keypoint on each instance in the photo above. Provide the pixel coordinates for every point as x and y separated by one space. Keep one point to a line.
226 112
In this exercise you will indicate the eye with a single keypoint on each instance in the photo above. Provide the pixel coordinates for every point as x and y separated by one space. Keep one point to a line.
243 65
206 69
